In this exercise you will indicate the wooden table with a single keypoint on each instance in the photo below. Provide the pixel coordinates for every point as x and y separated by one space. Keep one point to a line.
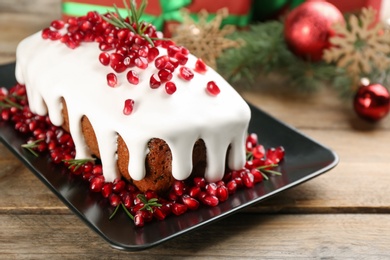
341 214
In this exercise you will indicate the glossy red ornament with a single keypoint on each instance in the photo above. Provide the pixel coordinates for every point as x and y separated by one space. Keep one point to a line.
372 102
308 27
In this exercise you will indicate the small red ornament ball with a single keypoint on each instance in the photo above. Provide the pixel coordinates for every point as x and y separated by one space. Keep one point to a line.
372 102
308 27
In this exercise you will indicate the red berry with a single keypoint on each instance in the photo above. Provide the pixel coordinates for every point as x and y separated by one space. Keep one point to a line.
212 88
104 58
179 187
107 190
191 203
96 184
222 193
164 75
257 176
200 182
211 189
182 59
231 186
139 220
155 82
132 77
152 54
129 106
258 151
248 180
57 24
200 66
170 87
210 200
178 208
186 73
112 80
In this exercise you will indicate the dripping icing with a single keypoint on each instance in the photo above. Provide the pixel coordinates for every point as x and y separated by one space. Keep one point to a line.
52 71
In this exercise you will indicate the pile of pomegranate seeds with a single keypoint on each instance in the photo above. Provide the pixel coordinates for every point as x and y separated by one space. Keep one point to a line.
184 196
122 50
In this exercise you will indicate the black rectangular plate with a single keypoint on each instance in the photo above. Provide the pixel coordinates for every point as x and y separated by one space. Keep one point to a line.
304 160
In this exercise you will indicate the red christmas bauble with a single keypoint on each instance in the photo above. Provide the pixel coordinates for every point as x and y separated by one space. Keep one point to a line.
308 27
372 102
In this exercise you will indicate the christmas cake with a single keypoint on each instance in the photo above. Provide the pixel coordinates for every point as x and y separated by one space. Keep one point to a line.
150 110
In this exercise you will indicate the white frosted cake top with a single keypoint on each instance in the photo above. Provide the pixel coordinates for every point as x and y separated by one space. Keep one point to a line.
51 71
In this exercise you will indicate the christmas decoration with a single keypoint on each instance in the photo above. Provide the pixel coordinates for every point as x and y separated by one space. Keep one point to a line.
372 102
162 13
360 46
309 26
205 39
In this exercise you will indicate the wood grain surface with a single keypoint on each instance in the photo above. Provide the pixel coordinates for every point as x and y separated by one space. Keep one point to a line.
343 214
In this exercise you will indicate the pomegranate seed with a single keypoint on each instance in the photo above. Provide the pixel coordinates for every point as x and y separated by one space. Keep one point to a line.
257 176
200 182
159 214
143 51
154 81
174 62
210 200
111 80
248 180
252 138
231 186
170 87
190 202
122 34
194 192
186 73
129 106
141 62
132 77
211 189
152 54
96 184
97 170
212 88
114 200
46 33
57 24
104 58
165 75
178 208
127 200
182 59
258 151
222 193
275 155
179 187
139 220
118 186
172 50
160 62
185 51
200 66
107 190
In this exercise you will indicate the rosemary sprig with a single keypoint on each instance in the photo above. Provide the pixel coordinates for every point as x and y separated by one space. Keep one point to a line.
134 16
75 164
8 103
265 169
31 146
148 204
124 208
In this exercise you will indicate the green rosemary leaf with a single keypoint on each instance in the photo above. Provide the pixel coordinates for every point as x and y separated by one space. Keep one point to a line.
142 8
128 11
127 212
114 213
30 146
134 14
273 172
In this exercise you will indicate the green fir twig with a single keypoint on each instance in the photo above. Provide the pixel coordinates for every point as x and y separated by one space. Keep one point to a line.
30 146
75 164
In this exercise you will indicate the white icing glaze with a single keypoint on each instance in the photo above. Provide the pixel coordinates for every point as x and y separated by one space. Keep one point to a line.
50 70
